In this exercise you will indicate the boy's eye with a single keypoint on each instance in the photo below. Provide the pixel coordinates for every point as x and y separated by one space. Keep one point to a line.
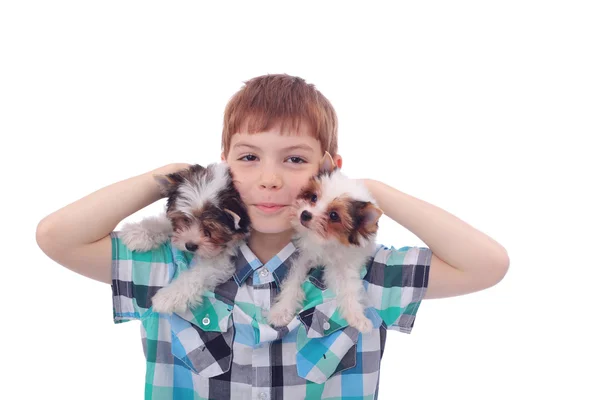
314 198
297 160
248 157
334 216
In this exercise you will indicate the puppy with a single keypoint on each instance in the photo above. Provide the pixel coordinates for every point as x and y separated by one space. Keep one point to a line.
205 216
336 223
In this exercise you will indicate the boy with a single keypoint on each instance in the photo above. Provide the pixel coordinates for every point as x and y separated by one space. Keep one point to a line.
276 130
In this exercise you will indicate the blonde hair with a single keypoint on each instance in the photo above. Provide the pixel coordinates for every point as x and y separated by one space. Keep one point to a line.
270 100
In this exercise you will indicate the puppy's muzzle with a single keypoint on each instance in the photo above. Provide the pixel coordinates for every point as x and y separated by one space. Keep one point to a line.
192 247
305 217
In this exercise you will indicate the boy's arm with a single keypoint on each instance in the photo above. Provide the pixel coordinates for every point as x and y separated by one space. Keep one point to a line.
77 235
464 259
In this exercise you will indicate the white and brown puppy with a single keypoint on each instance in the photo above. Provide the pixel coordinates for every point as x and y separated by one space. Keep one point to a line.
336 220
204 215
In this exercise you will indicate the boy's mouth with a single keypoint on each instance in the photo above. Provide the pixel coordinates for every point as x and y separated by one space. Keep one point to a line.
270 208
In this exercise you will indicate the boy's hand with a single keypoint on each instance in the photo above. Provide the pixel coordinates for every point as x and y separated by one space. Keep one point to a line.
77 235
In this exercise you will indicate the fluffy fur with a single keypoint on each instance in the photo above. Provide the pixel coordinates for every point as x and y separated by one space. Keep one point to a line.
336 220
204 215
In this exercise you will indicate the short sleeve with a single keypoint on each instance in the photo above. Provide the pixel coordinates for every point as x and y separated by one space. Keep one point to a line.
396 284
136 277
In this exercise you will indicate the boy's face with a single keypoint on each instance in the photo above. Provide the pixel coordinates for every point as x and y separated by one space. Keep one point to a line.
269 169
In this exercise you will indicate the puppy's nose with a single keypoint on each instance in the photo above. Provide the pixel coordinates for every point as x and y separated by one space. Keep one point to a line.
305 216
191 247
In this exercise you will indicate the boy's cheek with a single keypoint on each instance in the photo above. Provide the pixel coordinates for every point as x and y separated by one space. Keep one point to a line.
243 195
238 180
301 184
237 185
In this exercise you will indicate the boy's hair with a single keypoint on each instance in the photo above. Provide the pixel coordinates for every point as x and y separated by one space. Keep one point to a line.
284 100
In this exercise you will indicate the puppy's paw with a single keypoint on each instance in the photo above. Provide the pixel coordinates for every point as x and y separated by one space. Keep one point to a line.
280 315
136 238
169 301
360 322
195 301
146 234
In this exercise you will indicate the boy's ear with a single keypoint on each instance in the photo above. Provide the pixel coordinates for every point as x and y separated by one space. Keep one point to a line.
327 164
338 161
223 158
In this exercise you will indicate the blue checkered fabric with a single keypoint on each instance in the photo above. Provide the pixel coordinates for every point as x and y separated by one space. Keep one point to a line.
225 349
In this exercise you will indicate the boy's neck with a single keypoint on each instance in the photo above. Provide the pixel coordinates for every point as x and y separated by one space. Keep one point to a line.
266 245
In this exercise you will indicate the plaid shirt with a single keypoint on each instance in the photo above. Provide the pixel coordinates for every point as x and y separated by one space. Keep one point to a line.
225 348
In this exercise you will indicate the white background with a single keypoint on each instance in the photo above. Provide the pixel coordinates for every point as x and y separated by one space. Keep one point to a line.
489 110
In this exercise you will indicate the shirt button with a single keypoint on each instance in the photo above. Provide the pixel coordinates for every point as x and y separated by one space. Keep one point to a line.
206 321
264 272
262 396
326 325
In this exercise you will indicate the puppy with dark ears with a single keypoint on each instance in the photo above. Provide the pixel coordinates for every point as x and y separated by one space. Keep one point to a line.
336 223
204 215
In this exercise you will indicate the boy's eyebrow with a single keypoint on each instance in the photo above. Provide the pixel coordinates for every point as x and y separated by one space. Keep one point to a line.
298 147
244 145
286 149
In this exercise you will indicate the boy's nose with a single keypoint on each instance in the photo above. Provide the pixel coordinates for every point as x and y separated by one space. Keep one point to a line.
270 179
271 183
305 216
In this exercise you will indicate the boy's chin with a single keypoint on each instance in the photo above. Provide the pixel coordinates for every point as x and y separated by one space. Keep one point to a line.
271 227
272 230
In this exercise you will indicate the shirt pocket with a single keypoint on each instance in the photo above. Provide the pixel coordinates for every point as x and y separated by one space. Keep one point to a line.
326 344
202 338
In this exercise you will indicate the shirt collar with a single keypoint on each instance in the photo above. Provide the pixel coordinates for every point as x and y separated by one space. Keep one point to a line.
246 263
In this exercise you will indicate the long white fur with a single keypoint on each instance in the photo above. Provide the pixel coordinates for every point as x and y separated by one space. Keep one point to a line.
196 194
342 264
147 234
204 273
187 290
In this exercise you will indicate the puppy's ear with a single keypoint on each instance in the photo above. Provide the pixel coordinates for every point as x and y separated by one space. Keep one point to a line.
370 215
327 165
239 215
169 182
166 183
236 219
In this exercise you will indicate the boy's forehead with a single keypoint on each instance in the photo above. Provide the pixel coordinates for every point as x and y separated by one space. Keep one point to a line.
274 139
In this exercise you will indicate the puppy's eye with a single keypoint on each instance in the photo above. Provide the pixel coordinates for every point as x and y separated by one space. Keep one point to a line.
334 216
207 233
314 198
